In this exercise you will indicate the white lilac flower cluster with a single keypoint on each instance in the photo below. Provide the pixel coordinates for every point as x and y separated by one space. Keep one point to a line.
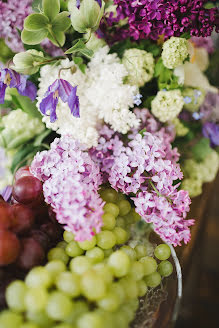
102 93
175 52
167 105
5 173
198 173
140 66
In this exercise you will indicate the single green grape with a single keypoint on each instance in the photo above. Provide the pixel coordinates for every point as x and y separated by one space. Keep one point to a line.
58 254
36 299
121 235
15 294
109 195
124 207
111 208
106 239
137 270
38 277
165 268
141 251
69 283
136 216
63 325
110 302
153 280
88 244
130 252
109 221
95 254
93 286
55 267
120 222
104 272
130 286
80 264
9 319
68 236
120 263
73 249
162 252
117 288
90 320
40 318
62 244
59 306
80 308
142 288
150 264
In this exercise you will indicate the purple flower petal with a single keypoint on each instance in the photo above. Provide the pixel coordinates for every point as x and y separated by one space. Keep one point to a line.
2 92
73 102
49 104
30 91
211 130
65 89
6 193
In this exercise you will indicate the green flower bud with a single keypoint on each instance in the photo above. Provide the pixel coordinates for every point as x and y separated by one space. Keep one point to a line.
18 128
193 98
28 62
87 16
95 43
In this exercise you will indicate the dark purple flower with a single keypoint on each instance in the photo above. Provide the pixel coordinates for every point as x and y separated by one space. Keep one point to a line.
11 79
211 130
64 90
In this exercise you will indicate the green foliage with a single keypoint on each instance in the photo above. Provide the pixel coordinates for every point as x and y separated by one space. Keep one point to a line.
50 23
166 79
146 45
201 149
5 53
81 48
25 152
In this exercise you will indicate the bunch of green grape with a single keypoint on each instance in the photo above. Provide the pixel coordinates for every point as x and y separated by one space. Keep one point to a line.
90 284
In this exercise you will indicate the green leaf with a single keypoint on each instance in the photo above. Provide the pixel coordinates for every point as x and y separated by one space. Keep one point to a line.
159 67
185 35
35 22
87 52
61 22
25 104
201 149
33 37
83 67
59 38
37 5
51 8
41 137
23 154
78 60
77 47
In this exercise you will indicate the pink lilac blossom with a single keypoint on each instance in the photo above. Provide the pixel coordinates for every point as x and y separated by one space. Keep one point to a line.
206 43
71 182
141 169
149 19
12 15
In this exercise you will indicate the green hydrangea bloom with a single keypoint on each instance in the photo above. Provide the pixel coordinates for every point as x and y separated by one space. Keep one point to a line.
193 186
18 128
193 98
210 166
175 51
181 129
167 105
140 66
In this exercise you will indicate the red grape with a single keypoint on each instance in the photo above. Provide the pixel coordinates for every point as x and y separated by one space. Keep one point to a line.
5 215
41 237
27 190
32 254
52 230
9 247
23 172
23 218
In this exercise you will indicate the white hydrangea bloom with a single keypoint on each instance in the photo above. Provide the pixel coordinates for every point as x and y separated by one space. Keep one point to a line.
6 176
175 51
102 94
140 66
167 105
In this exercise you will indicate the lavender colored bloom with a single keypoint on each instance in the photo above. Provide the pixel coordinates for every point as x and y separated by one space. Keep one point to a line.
78 3
211 130
6 193
63 89
206 43
11 79
137 99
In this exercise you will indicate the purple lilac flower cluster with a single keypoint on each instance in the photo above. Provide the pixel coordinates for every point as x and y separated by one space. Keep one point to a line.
12 15
71 182
145 165
150 19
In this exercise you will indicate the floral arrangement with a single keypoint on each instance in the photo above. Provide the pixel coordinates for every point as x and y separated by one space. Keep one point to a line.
108 124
